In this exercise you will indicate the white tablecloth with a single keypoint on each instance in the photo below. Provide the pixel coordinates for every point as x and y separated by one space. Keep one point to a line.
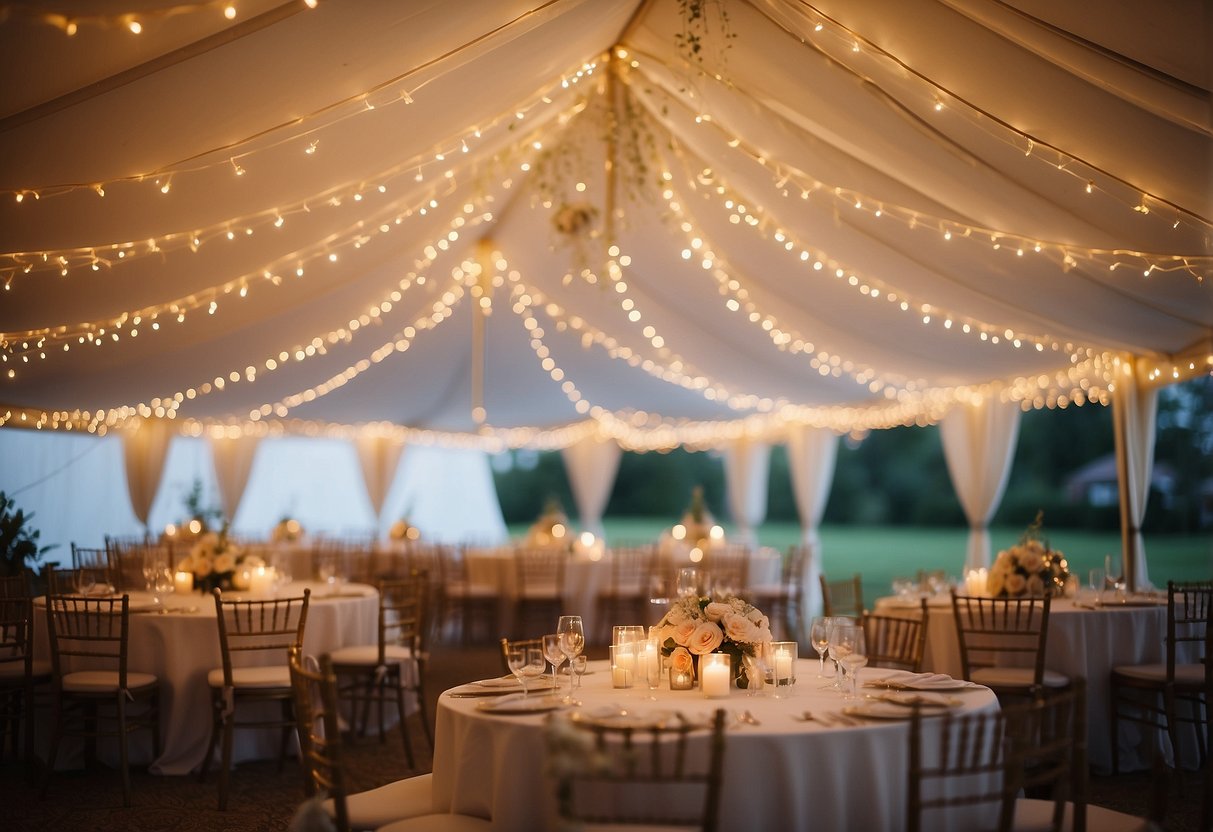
782 774
1082 642
181 647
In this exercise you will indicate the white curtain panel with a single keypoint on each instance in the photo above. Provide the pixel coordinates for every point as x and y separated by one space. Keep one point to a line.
379 457
233 459
979 445
746 465
811 456
591 464
144 450
1134 411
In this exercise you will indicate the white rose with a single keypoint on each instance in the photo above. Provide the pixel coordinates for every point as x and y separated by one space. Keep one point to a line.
202 567
675 615
739 628
1035 585
717 610
225 562
683 631
186 564
705 638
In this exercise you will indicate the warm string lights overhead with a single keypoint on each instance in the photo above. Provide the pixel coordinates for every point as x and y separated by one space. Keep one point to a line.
792 182
94 258
306 134
818 264
816 27
134 22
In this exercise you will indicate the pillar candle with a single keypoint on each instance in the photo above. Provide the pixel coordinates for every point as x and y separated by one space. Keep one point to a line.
260 582
716 675
183 582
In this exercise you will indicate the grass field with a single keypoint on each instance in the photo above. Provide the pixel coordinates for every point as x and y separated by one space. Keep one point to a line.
881 553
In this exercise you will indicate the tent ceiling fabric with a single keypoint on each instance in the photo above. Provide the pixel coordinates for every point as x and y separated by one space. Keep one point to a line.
843 215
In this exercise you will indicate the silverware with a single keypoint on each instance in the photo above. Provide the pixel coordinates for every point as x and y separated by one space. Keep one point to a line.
469 694
750 718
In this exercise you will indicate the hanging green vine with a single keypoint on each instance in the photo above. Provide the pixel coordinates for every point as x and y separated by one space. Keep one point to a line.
696 27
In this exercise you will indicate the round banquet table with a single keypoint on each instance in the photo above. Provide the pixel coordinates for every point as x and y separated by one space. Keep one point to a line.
781 774
181 645
1083 642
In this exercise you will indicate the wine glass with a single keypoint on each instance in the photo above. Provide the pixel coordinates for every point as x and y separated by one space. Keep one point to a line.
525 663
553 653
1096 580
841 643
819 635
853 647
579 664
572 642
689 580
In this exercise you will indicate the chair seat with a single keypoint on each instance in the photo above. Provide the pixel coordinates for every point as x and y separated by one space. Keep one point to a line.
273 676
367 655
407 798
104 681
10 671
1186 675
439 823
1037 816
1016 677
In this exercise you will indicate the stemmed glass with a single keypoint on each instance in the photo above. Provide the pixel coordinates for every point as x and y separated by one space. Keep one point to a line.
841 643
553 653
525 663
572 642
579 663
853 647
819 635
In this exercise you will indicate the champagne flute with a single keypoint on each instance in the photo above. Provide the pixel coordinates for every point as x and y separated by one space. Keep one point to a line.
572 642
553 653
855 656
819 635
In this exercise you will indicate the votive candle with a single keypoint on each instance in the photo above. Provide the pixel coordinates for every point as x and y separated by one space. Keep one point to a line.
183 582
715 671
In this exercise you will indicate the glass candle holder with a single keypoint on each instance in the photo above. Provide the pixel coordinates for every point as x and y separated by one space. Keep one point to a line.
783 664
715 675
623 665
681 679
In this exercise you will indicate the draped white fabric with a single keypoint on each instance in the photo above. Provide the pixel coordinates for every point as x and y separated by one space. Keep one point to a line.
233 458
811 456
979 444
1134 411
379 457
144 450
591 465
746 464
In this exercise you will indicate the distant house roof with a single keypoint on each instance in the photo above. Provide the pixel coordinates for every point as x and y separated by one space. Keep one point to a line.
1102 472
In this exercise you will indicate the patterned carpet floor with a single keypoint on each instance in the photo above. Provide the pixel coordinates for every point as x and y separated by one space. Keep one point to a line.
264 800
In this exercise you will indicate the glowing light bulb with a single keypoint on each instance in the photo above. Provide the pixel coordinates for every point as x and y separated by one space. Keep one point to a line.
135 26
229 12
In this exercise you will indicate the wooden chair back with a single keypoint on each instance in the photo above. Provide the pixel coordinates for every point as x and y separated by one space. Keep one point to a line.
896 641
16 630
618 773
631 571
270 626
540 572
402 614
319 728
991 758
729 569
1189 605
995 632
88 631
842 598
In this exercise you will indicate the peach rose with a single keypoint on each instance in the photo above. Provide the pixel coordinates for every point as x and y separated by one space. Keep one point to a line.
705 638
1015 584
681 661
739 628
717 610
683 632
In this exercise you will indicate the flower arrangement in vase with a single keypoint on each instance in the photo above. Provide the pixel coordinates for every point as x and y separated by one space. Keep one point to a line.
216 562
695 626
1030 567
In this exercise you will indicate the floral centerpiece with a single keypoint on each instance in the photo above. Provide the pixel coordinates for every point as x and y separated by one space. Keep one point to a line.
216 562
552 526
693 627
1030 567
698 527
288 530
402 529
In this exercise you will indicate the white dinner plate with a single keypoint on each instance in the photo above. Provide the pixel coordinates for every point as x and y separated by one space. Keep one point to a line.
887 710
515 703
620 717
920 682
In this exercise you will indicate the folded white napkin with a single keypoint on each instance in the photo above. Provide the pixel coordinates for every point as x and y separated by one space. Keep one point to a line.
905 680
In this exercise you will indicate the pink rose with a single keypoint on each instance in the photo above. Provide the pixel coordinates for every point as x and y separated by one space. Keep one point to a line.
705 638
681 661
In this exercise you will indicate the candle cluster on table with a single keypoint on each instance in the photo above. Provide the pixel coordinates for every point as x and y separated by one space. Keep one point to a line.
783 663
977 582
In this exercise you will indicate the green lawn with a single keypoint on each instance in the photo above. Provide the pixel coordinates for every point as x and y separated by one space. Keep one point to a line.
880 553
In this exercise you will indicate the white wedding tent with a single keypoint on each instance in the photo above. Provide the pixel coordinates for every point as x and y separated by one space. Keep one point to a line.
644 223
